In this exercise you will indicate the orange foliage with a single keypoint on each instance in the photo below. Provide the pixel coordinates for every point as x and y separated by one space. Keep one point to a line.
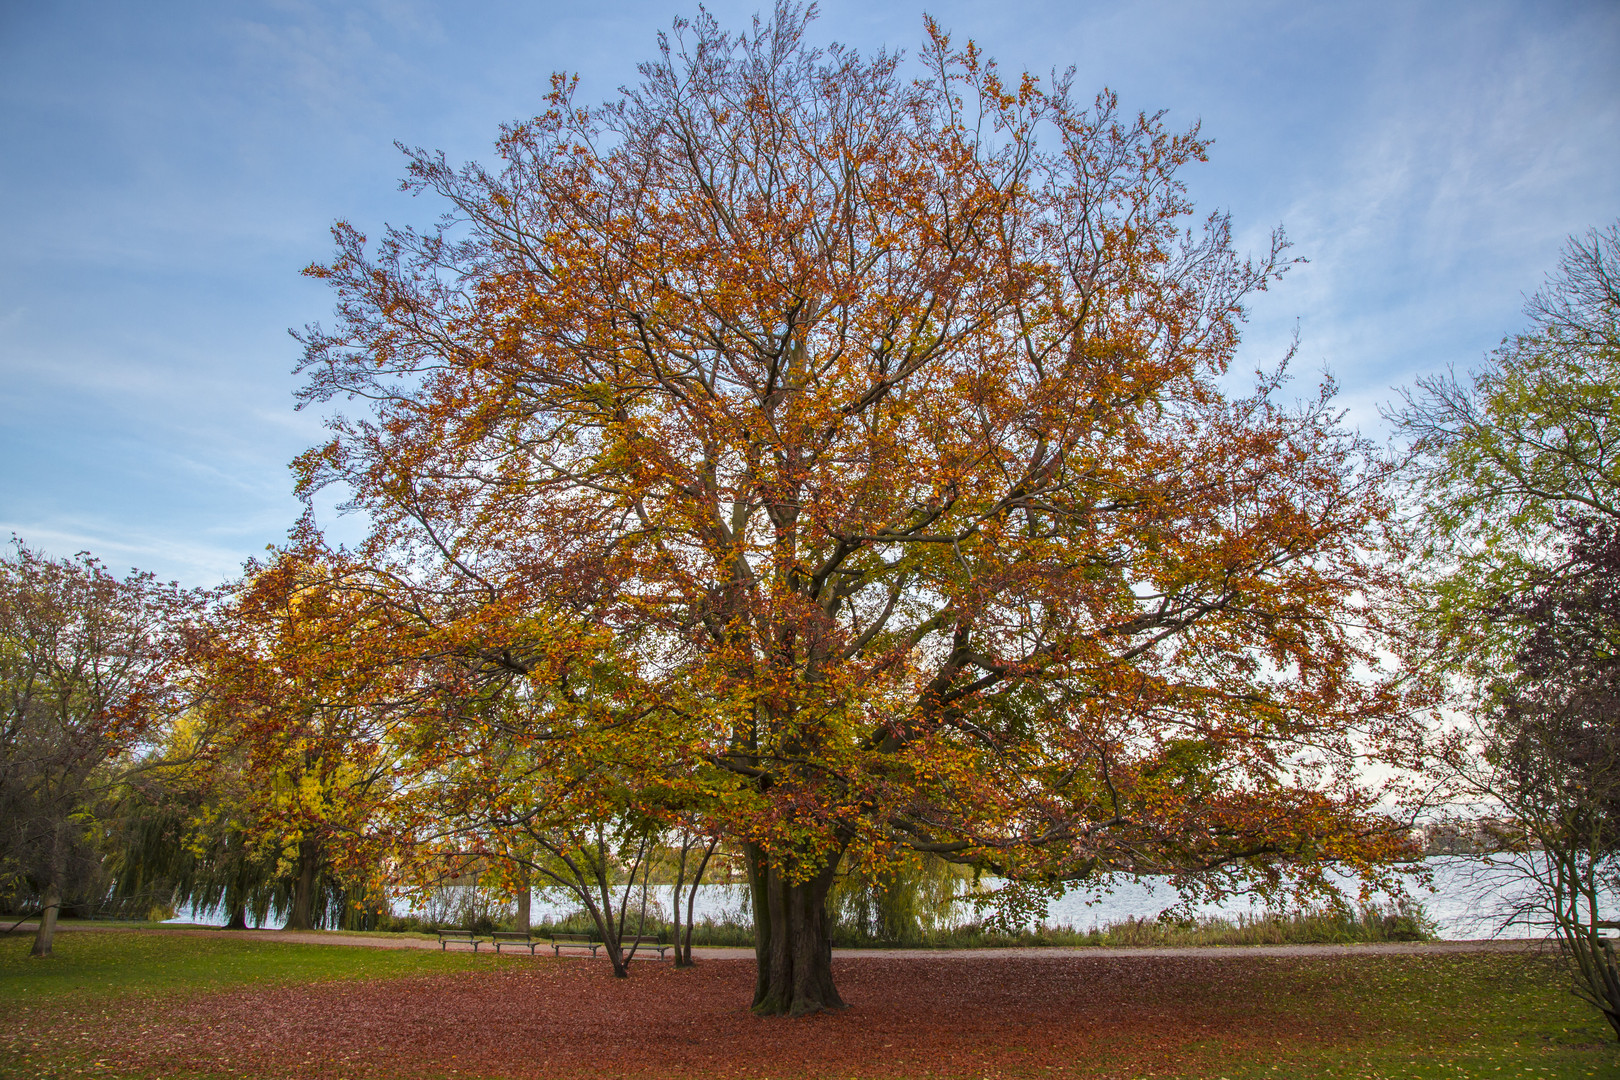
877 427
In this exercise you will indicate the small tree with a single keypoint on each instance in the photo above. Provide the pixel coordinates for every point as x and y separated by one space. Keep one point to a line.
1552 747
543 768
691 852
88 664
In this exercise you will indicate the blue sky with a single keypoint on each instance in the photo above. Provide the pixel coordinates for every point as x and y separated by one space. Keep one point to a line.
167 168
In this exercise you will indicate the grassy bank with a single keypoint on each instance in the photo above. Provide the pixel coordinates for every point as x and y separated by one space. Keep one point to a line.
1369 924
115 963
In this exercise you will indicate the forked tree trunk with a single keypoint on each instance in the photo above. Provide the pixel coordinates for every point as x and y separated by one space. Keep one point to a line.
302 915
683 945
791 941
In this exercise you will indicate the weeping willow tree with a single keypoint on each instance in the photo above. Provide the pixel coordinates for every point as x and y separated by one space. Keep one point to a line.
904 902
187 835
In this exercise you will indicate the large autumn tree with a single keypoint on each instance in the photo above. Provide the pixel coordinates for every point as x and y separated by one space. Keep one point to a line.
880 413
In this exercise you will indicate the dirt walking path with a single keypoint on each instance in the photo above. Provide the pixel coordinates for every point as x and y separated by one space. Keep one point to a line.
399 941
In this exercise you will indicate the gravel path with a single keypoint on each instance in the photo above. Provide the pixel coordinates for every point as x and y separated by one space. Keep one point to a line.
1394 948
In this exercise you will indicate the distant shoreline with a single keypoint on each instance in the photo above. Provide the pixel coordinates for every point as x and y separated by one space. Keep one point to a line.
379 940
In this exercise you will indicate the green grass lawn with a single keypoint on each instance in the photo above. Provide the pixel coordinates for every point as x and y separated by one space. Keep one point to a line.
1434 1016
1442 1016
118 963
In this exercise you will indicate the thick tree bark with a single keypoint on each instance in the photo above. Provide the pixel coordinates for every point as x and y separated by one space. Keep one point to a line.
523 900
791 942
47 921
302 915
236 903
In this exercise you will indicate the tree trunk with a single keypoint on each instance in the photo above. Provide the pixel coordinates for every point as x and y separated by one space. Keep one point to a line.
791 943
47 920
236 897
53 896
302 915
523 899
675 901
683 947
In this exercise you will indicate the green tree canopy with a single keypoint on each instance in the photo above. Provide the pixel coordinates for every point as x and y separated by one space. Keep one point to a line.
1499 454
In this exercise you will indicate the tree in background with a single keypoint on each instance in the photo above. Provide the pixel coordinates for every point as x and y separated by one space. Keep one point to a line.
877 423
905 902
1553 749
302 708
182 835
1517 474
89 663
1499 457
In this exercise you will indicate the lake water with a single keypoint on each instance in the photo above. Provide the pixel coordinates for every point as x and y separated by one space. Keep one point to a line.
1470 898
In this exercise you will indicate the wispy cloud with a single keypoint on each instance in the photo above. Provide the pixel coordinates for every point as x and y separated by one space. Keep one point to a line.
178 163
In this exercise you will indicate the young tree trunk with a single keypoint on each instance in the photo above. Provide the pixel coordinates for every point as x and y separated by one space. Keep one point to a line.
302 915
791 942
675 900
47 920
53 896
613 927
683 947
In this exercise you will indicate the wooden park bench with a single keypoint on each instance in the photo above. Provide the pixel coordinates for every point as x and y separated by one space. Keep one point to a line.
559 942
447 936
514 938
647 943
